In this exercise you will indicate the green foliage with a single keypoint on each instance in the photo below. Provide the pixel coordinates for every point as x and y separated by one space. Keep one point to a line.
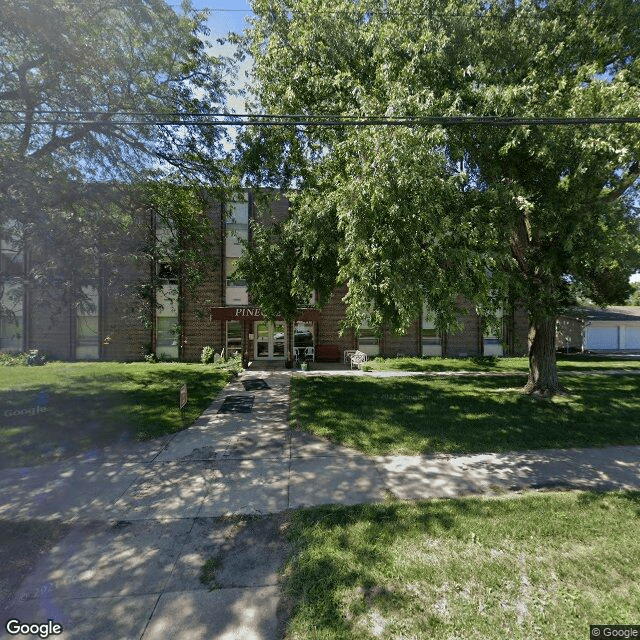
13 359
35 358
634 299
208 573
71 75
425 213
207 355
466 414
67 408
67 68
268 266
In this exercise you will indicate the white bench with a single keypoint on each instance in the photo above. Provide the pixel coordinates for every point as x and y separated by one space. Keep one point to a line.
358 358
347 355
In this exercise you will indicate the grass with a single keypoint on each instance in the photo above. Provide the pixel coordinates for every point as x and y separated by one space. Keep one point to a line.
498 365
208 573
536 566
416 415
62 409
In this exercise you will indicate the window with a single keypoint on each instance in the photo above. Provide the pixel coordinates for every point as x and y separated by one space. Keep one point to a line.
230 267
237 232
167 272
11 320
368 342
303 334
237 228
11 262
87 327
492 343
167 330
431 341
11 305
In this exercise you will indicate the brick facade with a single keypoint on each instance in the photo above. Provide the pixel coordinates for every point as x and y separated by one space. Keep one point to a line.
51 330
127 328
409 344
328 327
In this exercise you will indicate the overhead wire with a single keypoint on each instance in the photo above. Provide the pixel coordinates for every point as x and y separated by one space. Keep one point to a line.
225 119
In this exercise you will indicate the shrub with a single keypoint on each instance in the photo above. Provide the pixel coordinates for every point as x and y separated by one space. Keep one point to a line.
207 356
13 359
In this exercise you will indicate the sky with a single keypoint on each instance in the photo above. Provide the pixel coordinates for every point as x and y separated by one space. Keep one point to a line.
226 16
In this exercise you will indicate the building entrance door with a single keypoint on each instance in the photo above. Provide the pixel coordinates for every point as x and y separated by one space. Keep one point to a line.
270 340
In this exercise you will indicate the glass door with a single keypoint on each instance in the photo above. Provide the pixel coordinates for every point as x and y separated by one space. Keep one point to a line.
270 340
279 334
262 340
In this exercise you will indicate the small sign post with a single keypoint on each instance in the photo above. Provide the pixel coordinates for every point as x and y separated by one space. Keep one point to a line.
184 396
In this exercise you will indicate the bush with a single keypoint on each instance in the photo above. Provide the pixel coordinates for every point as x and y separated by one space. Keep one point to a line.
207 356
13 359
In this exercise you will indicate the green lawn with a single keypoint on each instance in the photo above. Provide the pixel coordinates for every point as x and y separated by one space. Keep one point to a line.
528 567
413 415
62 409
565 363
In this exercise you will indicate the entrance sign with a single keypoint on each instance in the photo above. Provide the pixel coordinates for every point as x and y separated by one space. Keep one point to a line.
255 313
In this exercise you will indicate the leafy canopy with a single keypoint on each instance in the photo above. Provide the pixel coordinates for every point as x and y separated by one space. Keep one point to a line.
406 214
81 84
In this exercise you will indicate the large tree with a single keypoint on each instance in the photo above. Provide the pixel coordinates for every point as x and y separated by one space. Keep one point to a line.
83 86
534 212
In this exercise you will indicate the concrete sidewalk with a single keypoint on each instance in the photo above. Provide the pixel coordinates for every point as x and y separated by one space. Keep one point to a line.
139 528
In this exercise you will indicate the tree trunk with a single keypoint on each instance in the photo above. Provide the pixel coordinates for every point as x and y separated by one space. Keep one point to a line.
543 373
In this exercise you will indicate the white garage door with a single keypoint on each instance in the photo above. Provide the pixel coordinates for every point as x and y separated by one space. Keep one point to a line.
632 338
602 338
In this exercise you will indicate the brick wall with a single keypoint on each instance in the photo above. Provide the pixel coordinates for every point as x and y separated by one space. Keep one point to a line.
518 332
468 341
198 328
128 337
278 212
408 344
328 327
50 329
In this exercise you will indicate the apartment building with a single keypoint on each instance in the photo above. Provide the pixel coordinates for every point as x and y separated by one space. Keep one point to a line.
176 322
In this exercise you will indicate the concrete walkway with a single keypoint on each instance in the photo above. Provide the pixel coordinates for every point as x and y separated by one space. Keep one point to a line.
136 528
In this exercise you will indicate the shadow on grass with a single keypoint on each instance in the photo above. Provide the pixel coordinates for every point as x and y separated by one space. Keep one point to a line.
352 560
466 415
87 409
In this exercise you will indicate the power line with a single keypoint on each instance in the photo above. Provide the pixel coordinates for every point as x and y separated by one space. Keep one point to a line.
132 119
289 11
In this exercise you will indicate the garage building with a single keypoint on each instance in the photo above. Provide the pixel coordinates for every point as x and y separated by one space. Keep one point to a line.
595 329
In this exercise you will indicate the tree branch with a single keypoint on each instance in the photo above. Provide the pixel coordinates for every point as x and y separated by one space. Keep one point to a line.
632 175
56 142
